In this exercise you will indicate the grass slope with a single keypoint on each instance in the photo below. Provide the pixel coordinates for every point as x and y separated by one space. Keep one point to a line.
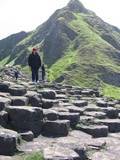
33 156
90 53
111 91
86 59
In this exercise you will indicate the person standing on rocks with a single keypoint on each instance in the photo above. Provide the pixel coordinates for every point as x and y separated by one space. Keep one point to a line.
34 61
16 74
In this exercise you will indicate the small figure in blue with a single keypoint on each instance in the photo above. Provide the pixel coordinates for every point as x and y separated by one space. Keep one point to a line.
16 74
43 72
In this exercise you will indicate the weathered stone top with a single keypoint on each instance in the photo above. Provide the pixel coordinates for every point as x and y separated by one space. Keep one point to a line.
7 133
23 108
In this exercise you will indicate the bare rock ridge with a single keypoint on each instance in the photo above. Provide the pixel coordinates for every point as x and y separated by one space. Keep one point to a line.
76 6
63 121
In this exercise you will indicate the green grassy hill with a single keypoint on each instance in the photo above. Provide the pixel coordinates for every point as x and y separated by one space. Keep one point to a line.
89 58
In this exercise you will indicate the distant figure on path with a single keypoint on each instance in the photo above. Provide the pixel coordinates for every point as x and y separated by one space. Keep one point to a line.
16 74
43 72
34 61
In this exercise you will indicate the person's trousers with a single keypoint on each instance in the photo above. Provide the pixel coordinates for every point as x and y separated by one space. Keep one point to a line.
34 74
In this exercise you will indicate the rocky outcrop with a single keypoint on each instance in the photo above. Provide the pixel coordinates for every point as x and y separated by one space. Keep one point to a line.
56 128
59 120
8 142
51 153
4 102
76 6
17 90
27 136
25 118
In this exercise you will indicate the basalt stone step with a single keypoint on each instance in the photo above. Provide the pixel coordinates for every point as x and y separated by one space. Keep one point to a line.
74 92
86 140
8 142
19 101
80 149
59 153
101 103
89 99
68 86
4 94
72 117
5 158
96 93
49 103
25 118
90 92
113 124
92 107
27 136
80 103
86 119
60 92
47 85
17 90
118 108
71 92
4 102
4 87
95 130
56 128
104 155
74 109
61 96
119 115
117 102
64 100
87 92
47 94
77 97
111 112
111 104
115 135
60 108
99 115
72 142
75 140
35 100
3 119
77 88
65 104
50 115
80 135
31 93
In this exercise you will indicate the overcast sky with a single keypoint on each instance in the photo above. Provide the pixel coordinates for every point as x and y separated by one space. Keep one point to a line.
18 15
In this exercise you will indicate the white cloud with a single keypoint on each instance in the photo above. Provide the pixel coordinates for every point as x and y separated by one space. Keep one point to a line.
17 15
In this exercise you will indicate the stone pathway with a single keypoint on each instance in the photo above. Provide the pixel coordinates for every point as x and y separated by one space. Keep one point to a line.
61 121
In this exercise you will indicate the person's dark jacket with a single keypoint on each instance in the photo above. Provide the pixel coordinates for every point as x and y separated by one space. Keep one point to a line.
34 61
